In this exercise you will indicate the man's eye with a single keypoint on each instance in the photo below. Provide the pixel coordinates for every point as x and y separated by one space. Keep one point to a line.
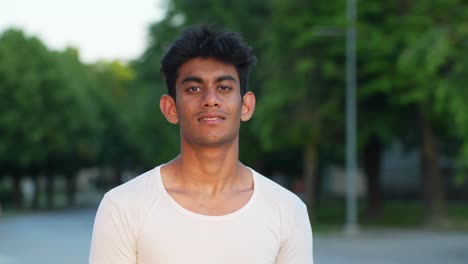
225 88
193 89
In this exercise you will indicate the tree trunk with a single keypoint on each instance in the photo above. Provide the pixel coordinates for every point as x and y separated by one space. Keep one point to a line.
17 193
435 204
372 164
37 191
310 177
71 188
50 188
117 178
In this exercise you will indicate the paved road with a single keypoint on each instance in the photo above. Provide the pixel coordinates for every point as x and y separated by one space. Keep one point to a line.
63 237
52 238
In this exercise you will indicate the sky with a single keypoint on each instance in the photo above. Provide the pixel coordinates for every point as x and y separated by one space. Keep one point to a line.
100 29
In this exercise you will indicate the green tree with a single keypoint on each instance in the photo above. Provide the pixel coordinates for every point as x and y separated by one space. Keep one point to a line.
75 108
114 80
47 122
303 84
382 120
26 69
432 67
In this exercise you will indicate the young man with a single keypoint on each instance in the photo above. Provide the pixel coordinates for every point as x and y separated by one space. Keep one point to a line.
204 206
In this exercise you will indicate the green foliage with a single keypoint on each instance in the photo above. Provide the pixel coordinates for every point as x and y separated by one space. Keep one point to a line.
57 111
23 63
113 80
432 66
302 77
80 125
48 117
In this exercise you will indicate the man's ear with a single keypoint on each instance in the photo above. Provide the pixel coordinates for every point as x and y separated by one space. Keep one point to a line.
248 106
168 108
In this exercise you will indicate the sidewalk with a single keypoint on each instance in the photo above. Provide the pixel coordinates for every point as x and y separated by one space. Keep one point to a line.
46 238
393 247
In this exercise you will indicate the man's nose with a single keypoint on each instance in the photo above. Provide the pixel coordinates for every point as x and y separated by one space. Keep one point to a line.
210 98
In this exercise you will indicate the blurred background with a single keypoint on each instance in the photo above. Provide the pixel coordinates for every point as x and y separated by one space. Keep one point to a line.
79 114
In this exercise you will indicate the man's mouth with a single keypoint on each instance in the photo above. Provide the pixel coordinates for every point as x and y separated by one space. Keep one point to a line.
210 118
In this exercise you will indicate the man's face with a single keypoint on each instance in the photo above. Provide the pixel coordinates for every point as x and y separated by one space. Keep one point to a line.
208 104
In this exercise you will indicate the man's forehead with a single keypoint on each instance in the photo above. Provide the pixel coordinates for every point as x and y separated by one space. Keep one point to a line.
207 68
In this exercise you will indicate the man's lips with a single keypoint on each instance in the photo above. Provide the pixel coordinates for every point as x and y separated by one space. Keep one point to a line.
212 117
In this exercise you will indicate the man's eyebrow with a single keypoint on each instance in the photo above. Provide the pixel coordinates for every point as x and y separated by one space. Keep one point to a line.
226 77
192 79
221 78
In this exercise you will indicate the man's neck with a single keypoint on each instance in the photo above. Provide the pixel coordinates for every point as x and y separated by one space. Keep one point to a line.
207 171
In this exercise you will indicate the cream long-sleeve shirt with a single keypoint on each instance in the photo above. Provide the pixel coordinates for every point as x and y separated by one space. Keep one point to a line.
139 222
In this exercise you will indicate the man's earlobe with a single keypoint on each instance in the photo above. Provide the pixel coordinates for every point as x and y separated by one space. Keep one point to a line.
168 109
248 106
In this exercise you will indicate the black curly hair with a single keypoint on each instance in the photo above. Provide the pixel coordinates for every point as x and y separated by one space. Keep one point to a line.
208 42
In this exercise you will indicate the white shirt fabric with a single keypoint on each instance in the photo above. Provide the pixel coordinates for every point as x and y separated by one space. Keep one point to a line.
139 222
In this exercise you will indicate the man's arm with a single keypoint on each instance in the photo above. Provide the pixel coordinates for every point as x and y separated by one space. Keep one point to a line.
297 247
113 236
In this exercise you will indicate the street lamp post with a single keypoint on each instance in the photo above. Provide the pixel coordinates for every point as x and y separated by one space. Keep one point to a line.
351 120
351 113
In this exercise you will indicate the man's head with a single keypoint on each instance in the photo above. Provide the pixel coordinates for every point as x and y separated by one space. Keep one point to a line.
207 42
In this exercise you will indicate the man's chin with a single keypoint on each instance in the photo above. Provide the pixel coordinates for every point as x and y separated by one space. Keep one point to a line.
213 142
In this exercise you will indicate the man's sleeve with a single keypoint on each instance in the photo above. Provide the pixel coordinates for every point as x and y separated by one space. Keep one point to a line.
297 247
113 236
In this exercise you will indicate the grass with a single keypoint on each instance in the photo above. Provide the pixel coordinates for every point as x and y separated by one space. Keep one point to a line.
330 216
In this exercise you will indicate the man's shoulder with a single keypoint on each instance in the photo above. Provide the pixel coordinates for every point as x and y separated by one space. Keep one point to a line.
275 193
136 189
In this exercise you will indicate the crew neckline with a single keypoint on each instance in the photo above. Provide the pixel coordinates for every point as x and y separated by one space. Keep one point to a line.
189 213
